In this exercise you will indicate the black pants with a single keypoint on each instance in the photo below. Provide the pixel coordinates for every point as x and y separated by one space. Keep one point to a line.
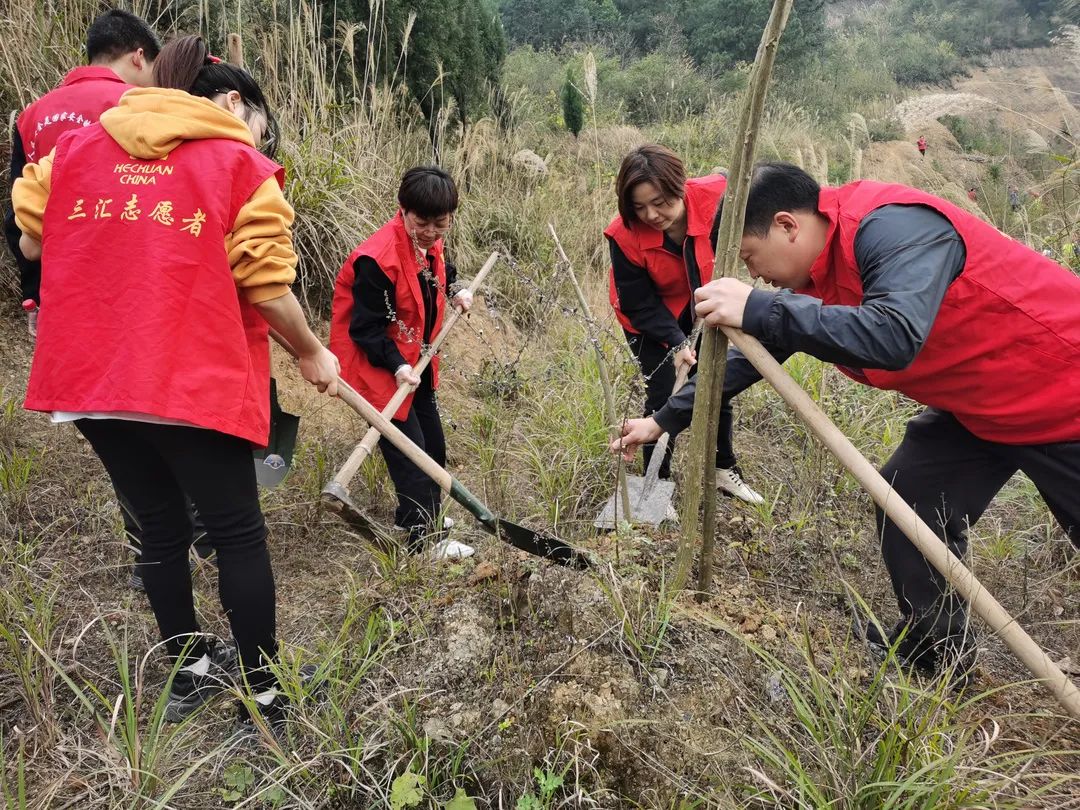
133 530
154 465
419 497
950 476
659 370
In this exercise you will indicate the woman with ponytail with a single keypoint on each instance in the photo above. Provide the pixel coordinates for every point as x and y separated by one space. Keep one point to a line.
167 252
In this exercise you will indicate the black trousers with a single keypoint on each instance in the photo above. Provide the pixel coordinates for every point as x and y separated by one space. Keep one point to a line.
950 476
133 529
659 370
419 497
154 466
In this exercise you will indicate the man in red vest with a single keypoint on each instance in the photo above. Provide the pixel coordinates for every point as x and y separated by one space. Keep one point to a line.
905 291
121 49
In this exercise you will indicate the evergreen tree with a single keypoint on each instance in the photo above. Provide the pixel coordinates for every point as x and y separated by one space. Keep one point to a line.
454 51
573 105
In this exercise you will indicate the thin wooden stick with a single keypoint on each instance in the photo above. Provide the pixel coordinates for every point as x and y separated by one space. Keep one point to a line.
605 377
921 535
712 360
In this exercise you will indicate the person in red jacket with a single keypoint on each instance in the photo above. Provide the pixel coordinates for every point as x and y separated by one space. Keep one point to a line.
921 143
660 253
389 301
160 287
905 291
121 49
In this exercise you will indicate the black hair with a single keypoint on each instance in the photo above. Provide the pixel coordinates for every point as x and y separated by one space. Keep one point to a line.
186 64
428 192
774 187
118 32
651 163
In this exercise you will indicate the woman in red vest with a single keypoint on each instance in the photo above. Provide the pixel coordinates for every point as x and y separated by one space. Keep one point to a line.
389 301
166 251
660 253
905 291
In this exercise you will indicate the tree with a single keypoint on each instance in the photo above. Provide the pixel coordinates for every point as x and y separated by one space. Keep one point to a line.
450 51
573 105
721 33
545 23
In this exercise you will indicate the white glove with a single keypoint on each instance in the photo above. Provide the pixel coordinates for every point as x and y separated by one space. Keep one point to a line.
405 374
464 300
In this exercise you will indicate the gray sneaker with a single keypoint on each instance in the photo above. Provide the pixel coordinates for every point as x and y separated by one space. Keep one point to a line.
276 712
189 691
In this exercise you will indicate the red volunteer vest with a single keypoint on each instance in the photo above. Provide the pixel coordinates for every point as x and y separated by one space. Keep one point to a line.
1003 355
78 101
644 246
392 249
140 312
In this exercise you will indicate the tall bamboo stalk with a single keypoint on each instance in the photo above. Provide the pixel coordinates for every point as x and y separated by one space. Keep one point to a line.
712 359
605 377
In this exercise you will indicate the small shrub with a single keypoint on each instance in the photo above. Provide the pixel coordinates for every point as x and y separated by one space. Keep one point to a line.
885 129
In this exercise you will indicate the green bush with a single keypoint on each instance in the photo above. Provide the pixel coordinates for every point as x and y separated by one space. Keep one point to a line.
658 87
888 128
920 59
974 135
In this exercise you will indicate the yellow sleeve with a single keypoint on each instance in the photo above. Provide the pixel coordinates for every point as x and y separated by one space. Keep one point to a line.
30 194
260 246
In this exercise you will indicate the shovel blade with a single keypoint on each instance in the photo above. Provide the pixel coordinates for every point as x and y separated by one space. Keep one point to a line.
647 505
336 499
542 544
273 461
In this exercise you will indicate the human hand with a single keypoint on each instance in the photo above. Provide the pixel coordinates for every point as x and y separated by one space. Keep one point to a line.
685 358
636 432
321 369
464 300
405 375
722 302
29 247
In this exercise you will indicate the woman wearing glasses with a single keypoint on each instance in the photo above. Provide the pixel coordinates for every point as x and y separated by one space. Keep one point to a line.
389 301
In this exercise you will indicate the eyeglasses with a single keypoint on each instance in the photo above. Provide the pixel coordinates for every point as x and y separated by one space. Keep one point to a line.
429 228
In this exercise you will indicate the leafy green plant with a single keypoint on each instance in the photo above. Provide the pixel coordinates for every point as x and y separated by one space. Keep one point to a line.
148 761
238 779
547 785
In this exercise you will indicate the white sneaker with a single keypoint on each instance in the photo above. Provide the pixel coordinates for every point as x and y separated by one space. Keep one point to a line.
451 550
730 482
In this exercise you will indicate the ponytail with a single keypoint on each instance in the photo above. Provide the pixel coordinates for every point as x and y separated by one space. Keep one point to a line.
186 64
179 63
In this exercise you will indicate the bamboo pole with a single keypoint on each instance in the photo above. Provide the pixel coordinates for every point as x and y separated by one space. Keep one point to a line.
605 377
712 359
921 535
